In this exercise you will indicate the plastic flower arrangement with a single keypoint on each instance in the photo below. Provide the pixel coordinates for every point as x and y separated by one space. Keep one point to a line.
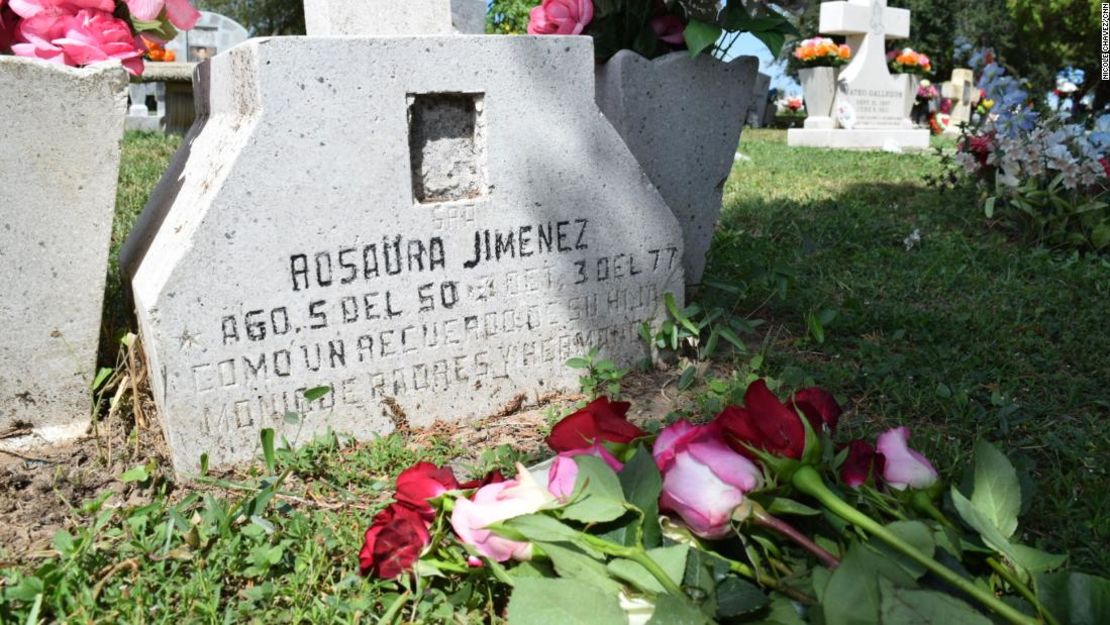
927 91
822 52
1043 177
86 32
703 522
909 61
654 28
792 103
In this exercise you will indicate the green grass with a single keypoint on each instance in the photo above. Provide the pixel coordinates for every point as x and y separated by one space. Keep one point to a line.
965 336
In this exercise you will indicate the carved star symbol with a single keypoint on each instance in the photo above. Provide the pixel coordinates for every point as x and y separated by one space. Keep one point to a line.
188 339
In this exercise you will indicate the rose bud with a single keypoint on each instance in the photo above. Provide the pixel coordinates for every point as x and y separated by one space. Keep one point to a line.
563 473
421 482
856 469
494 503
393 543
560 17
764 423
601 421
703 479
903 467
818 405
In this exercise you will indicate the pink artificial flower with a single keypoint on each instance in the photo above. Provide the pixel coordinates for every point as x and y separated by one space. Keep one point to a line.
560 17
903 467
669 29
181 13
89 37
703 479
563 474
494 503
33 8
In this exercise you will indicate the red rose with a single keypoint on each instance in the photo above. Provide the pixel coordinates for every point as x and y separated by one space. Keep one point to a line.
857 467
393 543
421 482
493 477
601 421
764 423
818 405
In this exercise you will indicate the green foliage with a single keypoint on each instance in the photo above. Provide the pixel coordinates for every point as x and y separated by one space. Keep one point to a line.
547 601
1054 216
602 377
262 18
509 17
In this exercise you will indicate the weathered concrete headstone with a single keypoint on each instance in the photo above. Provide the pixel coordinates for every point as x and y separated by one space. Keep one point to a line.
372 18
681 117
757 110
148 106
438 256
866 91
59 162
963 93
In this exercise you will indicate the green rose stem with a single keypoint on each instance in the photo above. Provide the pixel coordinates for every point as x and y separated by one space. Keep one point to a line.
638 555
809 481
764 519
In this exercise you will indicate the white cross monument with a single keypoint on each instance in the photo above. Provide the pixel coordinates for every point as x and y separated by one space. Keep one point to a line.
869 103
961 90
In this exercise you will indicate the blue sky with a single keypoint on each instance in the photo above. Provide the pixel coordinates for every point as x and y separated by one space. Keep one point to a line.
748 45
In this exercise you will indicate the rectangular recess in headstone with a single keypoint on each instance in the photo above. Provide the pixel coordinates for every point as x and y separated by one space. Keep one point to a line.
447 146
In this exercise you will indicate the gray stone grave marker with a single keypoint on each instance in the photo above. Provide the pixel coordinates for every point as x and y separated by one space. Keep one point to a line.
439 256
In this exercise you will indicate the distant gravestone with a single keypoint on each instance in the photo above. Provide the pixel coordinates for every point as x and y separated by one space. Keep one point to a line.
963 93
372 18
757 110
59 163
148 106
213 34
869 103
438 256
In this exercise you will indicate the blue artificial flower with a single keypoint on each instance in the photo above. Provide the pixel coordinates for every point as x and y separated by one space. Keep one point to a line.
1100 136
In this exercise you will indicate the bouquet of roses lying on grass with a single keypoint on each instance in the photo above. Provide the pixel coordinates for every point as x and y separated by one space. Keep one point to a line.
691 526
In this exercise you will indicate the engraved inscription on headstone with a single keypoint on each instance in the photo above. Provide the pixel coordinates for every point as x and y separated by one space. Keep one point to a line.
435 257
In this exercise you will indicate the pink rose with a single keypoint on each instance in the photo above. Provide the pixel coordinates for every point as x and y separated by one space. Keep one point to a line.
669 29
89 37
180 12
563 474
903 467
703 479
494 503
560 17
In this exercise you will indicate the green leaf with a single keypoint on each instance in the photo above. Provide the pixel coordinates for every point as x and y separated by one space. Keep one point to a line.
563 601
136 474
997 491
700 36
578 363
542 528
1075 598
915 533
101 377
641 483
853 588
313 394
1035 560
598 497
573 563
980 523
689 375
737 597
672 610
671 559
267 436
924 607
773 39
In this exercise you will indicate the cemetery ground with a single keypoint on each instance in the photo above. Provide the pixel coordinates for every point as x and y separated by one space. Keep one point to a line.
958 333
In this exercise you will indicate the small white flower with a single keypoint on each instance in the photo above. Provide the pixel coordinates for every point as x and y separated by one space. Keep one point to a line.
912 240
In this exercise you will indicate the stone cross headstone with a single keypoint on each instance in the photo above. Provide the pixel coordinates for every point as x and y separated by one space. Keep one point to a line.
148 106
866 84
866 94
963 93
59 163
372 18
438 256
